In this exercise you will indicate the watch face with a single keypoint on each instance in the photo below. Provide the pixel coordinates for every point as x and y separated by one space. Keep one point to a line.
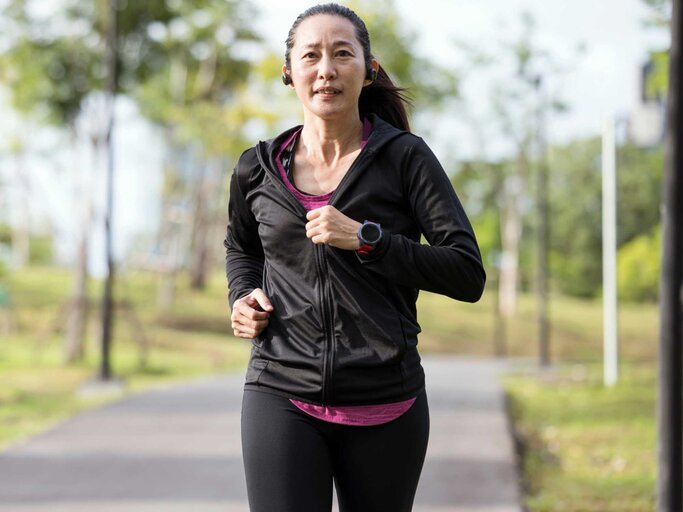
370 233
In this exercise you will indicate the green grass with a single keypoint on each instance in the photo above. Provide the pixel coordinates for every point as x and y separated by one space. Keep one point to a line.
586 447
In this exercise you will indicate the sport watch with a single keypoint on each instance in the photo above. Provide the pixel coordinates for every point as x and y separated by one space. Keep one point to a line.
369 234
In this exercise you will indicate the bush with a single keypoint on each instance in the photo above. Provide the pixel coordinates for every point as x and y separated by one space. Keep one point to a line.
638 268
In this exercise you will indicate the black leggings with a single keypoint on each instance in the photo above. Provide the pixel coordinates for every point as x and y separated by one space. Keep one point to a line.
291 458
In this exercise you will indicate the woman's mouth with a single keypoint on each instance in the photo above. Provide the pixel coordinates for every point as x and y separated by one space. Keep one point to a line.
327 91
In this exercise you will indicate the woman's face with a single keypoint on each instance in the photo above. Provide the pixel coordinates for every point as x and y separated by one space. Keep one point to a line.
327 66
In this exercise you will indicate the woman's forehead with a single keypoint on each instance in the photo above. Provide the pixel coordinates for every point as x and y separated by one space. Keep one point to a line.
323 28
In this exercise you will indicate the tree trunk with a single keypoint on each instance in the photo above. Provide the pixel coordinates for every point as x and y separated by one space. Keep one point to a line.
168 262
208 190
77 312
499 326
511 230
78 308
21 232
511 234
107 297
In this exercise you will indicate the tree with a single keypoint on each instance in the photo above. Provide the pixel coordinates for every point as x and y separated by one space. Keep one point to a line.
35 66
199 96
518 105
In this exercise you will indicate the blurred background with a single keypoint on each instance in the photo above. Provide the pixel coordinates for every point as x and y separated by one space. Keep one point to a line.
120 123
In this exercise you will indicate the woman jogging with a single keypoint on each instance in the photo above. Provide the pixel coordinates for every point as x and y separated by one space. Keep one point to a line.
324 264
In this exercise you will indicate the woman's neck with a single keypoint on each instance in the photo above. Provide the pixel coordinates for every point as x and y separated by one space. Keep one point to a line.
329 141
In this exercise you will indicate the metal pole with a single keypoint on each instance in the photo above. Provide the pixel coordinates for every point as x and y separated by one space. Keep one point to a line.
609 256
670 397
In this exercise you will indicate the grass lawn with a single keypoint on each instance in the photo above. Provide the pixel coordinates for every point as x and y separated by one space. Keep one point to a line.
586 447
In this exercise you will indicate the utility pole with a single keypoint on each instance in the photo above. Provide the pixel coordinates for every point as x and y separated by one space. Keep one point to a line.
670 393
111 87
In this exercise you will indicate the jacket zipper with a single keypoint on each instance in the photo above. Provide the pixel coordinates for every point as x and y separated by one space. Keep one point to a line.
328 325
327 313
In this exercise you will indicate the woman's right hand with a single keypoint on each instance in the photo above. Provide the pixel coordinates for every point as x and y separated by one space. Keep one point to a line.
250 314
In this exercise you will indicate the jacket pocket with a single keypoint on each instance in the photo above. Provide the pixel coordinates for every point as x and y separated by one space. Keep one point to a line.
254 370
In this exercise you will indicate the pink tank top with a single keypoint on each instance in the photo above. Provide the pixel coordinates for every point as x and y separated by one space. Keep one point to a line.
363 415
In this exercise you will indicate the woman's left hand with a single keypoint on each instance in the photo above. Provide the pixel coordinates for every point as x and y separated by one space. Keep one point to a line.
327 225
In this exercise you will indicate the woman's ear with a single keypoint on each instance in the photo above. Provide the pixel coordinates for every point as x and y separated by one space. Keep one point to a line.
286 77
372 73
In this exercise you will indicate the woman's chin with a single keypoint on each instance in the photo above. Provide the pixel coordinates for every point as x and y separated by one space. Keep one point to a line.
329 110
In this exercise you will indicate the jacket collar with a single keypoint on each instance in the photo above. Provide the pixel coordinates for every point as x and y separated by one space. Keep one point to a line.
382 133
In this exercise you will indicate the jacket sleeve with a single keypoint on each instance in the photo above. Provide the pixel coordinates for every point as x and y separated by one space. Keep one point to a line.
243 250
451 264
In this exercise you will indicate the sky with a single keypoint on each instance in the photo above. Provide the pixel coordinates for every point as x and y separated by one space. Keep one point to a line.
602 81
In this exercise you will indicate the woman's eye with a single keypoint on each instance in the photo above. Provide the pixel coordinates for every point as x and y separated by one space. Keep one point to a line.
344 53
309 55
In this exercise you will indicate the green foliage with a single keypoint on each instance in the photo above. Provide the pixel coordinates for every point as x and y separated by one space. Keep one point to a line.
575 202
41 250
657 78
476 184
5 234
576 209
174 57
639 184
486 227
575 213
48 74
639 266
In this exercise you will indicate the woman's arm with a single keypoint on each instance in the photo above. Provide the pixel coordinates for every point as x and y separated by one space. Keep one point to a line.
451 264
243 250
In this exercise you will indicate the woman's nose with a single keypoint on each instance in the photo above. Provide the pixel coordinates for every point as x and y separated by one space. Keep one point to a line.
326 68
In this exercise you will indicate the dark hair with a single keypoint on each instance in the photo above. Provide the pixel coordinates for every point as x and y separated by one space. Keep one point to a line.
381 97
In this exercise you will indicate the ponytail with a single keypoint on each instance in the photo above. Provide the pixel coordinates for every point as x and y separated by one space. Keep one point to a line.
385 100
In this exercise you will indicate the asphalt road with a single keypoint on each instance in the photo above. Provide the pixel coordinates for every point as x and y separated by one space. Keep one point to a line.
178 449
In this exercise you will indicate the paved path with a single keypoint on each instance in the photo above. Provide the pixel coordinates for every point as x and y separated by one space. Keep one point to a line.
178 449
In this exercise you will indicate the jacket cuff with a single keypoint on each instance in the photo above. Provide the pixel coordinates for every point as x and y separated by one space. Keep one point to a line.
379 251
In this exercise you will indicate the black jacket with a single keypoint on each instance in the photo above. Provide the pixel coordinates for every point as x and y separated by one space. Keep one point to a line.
344 328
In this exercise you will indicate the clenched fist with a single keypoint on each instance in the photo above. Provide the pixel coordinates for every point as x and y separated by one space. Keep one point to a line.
250 314
327 225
